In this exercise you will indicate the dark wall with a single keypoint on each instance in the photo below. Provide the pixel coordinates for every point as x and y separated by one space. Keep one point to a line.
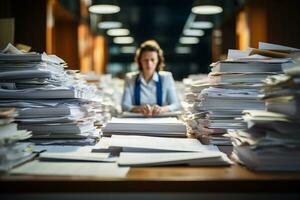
30 21
284 22
274 21
66 45
228 34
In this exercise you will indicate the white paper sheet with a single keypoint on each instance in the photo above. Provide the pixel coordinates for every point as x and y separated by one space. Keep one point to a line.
72 169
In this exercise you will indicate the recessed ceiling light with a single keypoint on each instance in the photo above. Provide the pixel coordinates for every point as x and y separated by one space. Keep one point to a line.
217 33
128 49
207 10
109 24
202 24
118 32
123 40
188 40
104 9
193 32
183 50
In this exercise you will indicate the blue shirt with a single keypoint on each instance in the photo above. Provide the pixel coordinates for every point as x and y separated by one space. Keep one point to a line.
148 91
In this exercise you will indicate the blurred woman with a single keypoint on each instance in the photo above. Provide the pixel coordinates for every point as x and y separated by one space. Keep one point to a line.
150 91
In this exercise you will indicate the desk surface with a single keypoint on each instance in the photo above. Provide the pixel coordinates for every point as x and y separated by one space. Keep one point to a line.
161 179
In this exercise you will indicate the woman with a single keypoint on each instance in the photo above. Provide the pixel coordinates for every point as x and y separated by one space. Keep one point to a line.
150 91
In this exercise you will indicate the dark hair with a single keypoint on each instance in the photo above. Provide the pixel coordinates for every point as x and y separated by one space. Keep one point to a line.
150 45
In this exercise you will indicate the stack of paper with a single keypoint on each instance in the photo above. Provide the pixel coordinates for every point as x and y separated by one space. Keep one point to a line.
107 100
155 151
59 160
166 127
194 84
52 103
282 92
138 115
272 140
12 152
233 86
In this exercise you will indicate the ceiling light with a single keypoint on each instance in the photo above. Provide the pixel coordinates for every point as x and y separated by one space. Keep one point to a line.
188 40
193 32
128 49
123 40
109 25
217 33
183 50
118 32
202 24
207 9
104 9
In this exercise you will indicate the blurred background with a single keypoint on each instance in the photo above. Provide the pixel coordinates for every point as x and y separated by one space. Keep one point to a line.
99 37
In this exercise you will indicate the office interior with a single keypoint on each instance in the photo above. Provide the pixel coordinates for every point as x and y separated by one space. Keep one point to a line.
69 30
87 40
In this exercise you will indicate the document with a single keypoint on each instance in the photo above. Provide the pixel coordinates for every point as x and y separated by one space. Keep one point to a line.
60 128
234 54
269 46
43 103
164 127
269 159
146 143
186 158
94 169
69 153
234 78
40 93
167 120
45 112
14 153
11 53
260 115
24 74
243 66
167 114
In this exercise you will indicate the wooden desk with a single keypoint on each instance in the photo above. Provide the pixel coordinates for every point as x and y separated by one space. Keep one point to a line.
234 179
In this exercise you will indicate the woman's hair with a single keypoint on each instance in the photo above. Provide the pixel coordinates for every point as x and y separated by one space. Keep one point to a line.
150 45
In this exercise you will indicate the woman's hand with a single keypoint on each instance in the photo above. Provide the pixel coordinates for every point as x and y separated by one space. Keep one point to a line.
157 110
150 111
147 110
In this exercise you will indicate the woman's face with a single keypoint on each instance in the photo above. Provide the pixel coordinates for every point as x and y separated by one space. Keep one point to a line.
149 61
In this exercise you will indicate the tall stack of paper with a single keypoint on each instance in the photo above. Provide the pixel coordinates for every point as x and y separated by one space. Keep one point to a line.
155 151
234 85
194 84
52 103
108 96
221 109
272 141
12 152
165 127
